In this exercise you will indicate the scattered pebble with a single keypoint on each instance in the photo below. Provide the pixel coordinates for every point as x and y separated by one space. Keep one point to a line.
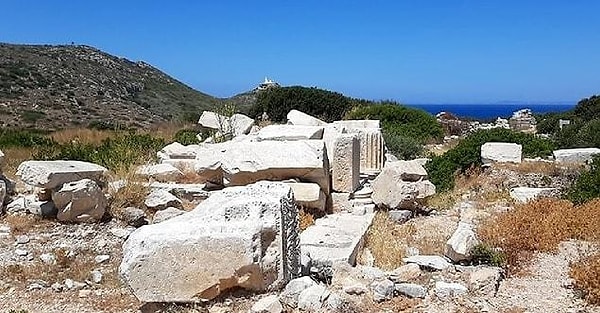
101 258
22 239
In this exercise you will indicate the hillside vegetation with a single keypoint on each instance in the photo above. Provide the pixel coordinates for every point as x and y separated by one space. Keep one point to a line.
52 87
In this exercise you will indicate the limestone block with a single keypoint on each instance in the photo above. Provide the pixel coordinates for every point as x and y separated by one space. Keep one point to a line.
290 132
309 195
346 164
458 247
580 155
237 124
52 174
160 199
243 236
390 190
160 172
80 201
501 152
526 194
296 117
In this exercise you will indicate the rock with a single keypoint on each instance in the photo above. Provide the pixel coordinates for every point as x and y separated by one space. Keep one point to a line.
390 190
35 286
245 162
334 303
296 117
20 204
359 210
354 288
43 194
408 170
21 252
346 163
372 145
405 273
255 228
371 273
458 247
237 124
42 208
382 290
411 290
445 290
289 132
73 285
526 194
52 174
485 281
312 298
400 216
168 213
96 276
308 195
434 262
84 293
268 304
22 239
134 216
122 233
102 258
57 287
48 258
335 238
580 155
189 192
161 199
390 157
177 151
501 152
293 289
3 192
363 193
341 202
160 172
80 201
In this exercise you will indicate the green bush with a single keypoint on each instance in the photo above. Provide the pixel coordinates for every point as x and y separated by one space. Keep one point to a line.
187 137
32 116
587 186
277 102
23 138
467 154
118 153
484 254
405 130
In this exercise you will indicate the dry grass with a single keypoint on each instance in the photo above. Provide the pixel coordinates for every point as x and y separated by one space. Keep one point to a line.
387 241
540 226
306 219
168 130
586 274
13 157
81 135
133 194
546 168
396 304
23 224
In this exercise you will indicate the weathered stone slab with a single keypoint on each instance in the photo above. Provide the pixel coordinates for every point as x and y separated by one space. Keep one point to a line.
160 172
253 228
176 150
52 174
526 194
435 262
580 155
290 132
237 124
346 164
501 152
296 117
408 170
190 192
335 238
458 247
391 190
309 195
80 201
160 199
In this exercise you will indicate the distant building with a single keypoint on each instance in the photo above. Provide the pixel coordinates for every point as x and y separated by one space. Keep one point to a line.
523 121
563 123
268 83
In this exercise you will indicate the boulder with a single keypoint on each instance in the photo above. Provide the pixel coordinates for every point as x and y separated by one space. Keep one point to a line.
237 124
308 195
168 213
382 290
458 247
434 262
293 289
160 199
42 208
20 204
411 290
52 174
296 117
405 273
445 290
346 163
160 172
268 304
526 194
312 298
485 280
392 191
176 150
254 228
190 192
80 201
290 132
400 216
501 152
410 171
134 216
579 155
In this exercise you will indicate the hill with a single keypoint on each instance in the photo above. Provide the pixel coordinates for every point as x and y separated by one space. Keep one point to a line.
53 87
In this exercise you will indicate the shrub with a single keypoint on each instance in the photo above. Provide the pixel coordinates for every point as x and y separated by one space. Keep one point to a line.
467 154
403 147
23 138
277 102
586 274
484 254
186 137
587 185
32 116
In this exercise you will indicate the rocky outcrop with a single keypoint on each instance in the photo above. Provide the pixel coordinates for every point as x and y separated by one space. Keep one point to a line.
401 185
52 174
80 201
254 228
501 152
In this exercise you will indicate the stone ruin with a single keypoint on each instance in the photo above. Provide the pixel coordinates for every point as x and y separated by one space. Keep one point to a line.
523 121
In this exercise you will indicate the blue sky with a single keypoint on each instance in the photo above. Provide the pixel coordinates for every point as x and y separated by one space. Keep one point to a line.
420 51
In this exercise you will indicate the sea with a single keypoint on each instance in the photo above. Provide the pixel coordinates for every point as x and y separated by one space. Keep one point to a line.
490 111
